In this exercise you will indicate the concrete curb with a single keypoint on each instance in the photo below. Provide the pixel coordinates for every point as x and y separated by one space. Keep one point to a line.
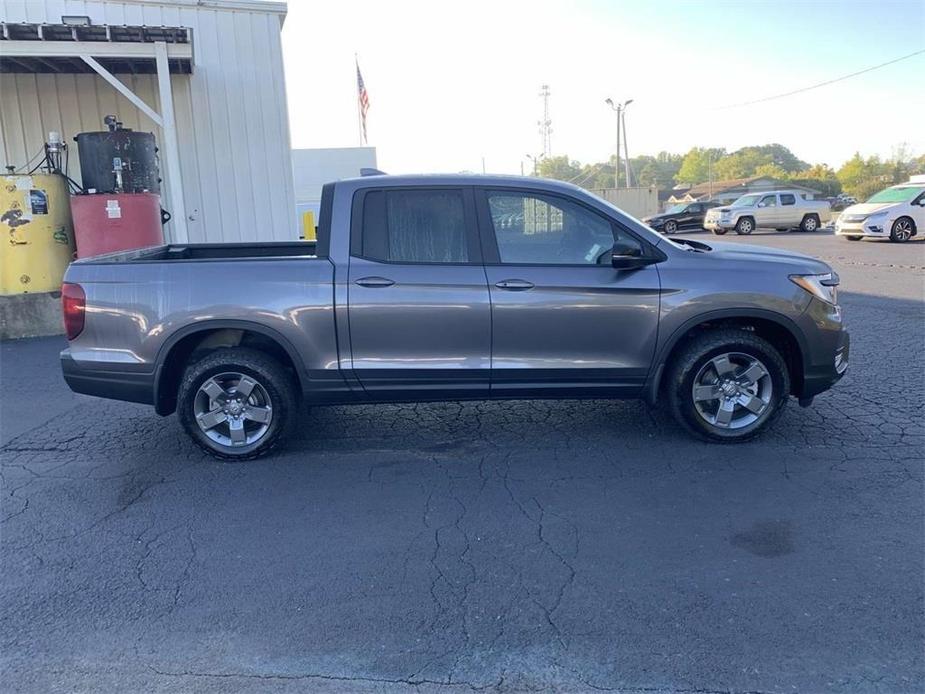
30 315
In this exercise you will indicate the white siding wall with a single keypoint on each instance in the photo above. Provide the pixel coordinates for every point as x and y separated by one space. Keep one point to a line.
232 122
312 168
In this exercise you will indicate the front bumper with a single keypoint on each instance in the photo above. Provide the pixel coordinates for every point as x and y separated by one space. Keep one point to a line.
877 229
817 379
714 224
103 381
827 348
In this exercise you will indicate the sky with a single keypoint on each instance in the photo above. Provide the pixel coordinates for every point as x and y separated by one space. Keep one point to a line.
453 83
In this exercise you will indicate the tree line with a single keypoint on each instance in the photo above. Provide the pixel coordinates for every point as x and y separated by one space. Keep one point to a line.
859 176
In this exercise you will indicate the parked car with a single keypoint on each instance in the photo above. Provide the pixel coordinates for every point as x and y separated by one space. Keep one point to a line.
897 213
680 217
451 288
778 209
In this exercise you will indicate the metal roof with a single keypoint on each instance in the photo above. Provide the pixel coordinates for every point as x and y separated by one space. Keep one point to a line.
57 48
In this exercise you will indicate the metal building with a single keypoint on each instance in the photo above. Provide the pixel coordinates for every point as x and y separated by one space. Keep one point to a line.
205 76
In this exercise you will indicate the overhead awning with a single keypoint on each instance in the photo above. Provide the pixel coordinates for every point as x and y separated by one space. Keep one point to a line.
59 48
105 50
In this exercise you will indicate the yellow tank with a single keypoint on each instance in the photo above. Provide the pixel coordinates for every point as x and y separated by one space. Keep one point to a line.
36 233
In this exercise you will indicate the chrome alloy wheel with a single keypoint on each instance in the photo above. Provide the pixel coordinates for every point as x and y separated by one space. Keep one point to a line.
732 390
233 409
902 229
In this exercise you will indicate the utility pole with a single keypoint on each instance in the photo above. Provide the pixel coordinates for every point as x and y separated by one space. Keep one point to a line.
620 110
536 160
626 152
546 123
710 170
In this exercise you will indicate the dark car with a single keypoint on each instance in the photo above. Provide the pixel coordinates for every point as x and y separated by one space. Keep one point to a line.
685 215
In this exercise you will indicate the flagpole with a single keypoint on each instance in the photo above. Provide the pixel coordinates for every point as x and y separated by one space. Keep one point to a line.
356 61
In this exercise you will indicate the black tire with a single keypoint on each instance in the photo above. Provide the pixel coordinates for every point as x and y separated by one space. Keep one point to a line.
810 223
670 227
853 238
694 357
277 385
902 230
745 226
719 232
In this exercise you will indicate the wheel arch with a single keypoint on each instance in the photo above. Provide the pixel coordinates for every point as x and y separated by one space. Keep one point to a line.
778 329
210 335
915 227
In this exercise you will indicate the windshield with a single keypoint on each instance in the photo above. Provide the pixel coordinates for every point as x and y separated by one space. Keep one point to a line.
746 201
675 209
898 194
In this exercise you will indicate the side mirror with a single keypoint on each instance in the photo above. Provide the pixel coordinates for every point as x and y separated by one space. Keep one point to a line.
627 257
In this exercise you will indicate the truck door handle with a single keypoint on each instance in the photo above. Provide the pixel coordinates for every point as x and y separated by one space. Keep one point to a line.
514 285
375 282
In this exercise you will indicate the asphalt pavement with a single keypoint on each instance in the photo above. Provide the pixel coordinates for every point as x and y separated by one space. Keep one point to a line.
555 545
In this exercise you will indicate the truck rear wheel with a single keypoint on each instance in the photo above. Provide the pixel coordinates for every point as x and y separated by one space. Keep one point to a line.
727 385
810 223
236 403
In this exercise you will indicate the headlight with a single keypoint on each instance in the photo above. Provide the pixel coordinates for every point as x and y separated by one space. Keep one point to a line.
824 287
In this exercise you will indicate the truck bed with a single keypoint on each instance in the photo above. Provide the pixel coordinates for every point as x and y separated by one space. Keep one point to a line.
209 251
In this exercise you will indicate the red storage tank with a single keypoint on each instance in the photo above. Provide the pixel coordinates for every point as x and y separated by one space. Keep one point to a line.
108 222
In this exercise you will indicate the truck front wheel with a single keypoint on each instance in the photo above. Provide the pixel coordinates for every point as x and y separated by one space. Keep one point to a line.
727 385
745 226
236 403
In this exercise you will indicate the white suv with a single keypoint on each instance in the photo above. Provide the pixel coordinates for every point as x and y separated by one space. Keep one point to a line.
897 213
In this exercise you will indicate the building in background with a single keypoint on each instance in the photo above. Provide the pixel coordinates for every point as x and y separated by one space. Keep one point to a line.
312 168
638 201
229 102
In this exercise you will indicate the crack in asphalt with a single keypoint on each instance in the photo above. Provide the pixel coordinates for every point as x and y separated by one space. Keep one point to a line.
332 678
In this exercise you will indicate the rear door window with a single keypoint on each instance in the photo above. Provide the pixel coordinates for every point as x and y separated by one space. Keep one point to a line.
788 199
415 226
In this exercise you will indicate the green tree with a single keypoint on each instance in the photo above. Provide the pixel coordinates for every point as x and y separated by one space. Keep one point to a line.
560 168
863 177
772 170
745 162
820 177
695 167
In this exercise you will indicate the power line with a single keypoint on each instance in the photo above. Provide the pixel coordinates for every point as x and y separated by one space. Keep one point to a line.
823 84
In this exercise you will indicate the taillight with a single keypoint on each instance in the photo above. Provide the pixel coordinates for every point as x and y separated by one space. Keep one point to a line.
74 305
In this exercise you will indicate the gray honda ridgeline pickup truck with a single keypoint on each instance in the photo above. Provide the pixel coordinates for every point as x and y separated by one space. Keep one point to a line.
449 288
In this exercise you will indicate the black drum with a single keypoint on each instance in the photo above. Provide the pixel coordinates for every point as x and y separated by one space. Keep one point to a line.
101 153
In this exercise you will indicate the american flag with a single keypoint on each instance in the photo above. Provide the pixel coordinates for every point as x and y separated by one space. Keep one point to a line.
363 102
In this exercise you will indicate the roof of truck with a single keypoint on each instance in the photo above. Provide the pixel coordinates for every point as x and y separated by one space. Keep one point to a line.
464 179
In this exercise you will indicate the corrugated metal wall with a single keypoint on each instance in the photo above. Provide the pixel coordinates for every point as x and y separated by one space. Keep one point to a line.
639 201
232 123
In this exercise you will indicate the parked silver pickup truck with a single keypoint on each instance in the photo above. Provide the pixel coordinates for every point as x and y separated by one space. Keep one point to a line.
777 209
456 287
